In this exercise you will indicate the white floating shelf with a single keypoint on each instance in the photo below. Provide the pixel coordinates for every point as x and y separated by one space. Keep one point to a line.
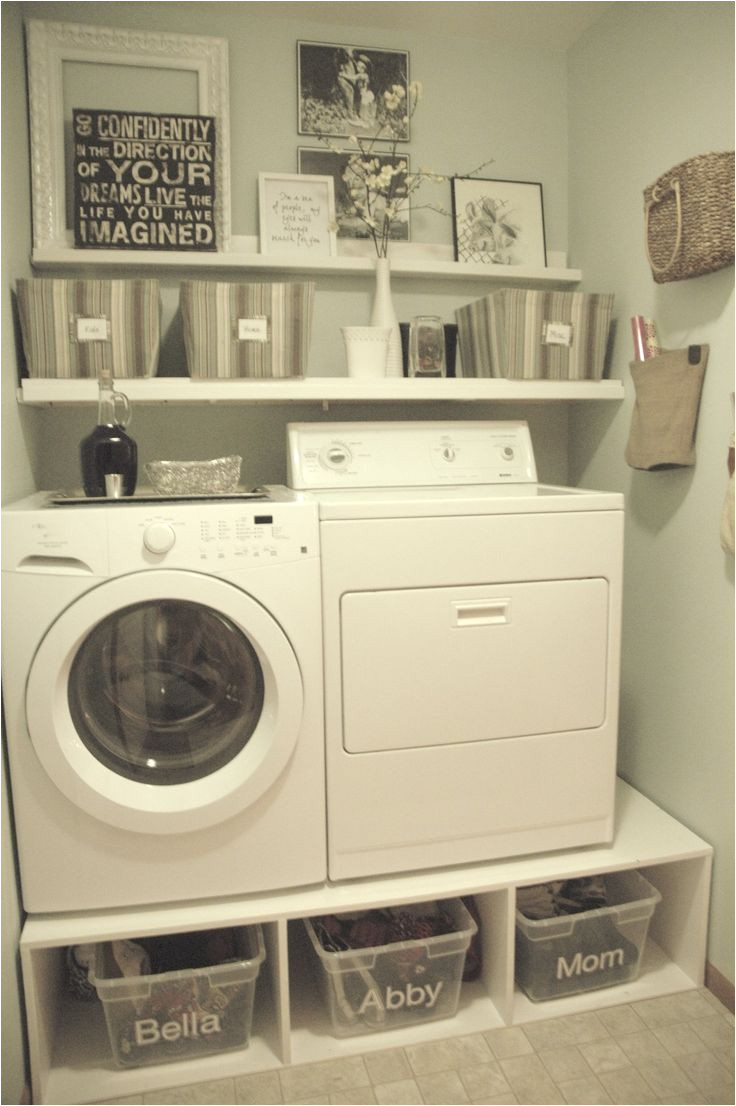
321 389
56 257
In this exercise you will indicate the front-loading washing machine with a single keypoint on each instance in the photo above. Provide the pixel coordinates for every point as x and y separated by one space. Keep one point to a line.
162 672
471 620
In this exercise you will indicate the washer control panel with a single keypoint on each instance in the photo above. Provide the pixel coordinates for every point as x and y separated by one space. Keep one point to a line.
409 454
111 539
212 537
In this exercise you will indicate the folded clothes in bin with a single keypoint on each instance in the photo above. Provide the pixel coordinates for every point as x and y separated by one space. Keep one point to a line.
563 896
370 928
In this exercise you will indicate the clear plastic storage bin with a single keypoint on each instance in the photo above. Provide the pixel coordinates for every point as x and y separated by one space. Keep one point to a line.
583 952
370 990
153 1019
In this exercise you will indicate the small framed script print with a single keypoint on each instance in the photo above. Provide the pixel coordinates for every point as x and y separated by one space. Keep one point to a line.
297 214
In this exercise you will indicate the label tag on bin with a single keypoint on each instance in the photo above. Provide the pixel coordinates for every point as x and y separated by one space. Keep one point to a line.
92 329
557 334
253 330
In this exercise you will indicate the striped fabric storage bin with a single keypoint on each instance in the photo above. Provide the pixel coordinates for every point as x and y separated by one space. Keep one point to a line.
530 335
78 328
232 331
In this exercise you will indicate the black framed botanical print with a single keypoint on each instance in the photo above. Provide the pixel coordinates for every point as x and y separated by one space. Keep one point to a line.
346 90
498 222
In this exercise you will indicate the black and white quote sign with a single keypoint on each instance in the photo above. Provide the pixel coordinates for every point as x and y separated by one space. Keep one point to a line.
143 181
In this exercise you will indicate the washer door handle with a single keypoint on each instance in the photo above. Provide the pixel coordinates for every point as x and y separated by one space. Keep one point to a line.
481 612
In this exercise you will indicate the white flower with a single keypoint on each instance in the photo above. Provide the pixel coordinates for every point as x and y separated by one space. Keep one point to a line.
378 183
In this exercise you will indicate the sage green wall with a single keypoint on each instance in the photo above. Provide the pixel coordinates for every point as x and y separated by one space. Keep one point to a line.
651 85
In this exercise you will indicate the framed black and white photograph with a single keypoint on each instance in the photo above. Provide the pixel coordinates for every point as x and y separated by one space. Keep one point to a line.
348 90
498 222
335 163
297 214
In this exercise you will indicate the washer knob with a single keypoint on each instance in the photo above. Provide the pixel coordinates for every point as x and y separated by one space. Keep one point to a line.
336 456
159 537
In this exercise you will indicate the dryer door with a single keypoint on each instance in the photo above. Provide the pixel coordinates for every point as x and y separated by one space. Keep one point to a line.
164 702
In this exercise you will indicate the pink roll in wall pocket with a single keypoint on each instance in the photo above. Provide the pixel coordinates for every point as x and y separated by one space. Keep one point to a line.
646 343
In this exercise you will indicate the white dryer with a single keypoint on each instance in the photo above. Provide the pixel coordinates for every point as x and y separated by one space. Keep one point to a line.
471 619
162 671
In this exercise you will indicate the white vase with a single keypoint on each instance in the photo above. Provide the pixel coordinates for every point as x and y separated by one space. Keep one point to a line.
383 314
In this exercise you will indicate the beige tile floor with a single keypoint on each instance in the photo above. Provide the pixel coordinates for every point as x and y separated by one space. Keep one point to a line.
679 1048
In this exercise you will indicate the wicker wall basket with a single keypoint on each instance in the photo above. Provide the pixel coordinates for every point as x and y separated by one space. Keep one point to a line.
689 218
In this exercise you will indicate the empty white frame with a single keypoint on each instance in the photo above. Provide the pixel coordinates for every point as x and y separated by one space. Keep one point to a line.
164 72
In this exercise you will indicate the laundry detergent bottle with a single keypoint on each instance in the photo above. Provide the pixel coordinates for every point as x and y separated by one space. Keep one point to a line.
109 456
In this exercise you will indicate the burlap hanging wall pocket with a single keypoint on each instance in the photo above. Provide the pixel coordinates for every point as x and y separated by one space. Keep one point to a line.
665 413
689 218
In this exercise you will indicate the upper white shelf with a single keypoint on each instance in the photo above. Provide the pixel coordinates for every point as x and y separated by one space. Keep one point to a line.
321 389
433 267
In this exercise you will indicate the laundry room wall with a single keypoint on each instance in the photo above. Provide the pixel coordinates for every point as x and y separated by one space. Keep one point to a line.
652 85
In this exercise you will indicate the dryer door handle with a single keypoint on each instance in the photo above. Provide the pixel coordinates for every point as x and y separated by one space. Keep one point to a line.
481 612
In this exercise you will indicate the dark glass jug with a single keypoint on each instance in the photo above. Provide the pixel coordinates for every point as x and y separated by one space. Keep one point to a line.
109 456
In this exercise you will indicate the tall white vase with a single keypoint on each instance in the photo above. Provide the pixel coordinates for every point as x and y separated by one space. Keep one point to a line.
383 314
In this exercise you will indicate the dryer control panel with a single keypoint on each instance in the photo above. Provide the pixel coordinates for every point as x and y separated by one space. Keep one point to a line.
409 454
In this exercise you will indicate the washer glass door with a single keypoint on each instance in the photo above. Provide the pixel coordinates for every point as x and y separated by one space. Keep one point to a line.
166 691
164 702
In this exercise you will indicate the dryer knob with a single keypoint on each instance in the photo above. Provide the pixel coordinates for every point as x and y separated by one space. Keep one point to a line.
159 537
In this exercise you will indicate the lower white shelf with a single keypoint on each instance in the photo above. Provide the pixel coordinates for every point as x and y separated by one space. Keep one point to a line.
320 389
71 1058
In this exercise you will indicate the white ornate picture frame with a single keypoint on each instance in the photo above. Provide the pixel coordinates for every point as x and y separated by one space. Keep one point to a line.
52 45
